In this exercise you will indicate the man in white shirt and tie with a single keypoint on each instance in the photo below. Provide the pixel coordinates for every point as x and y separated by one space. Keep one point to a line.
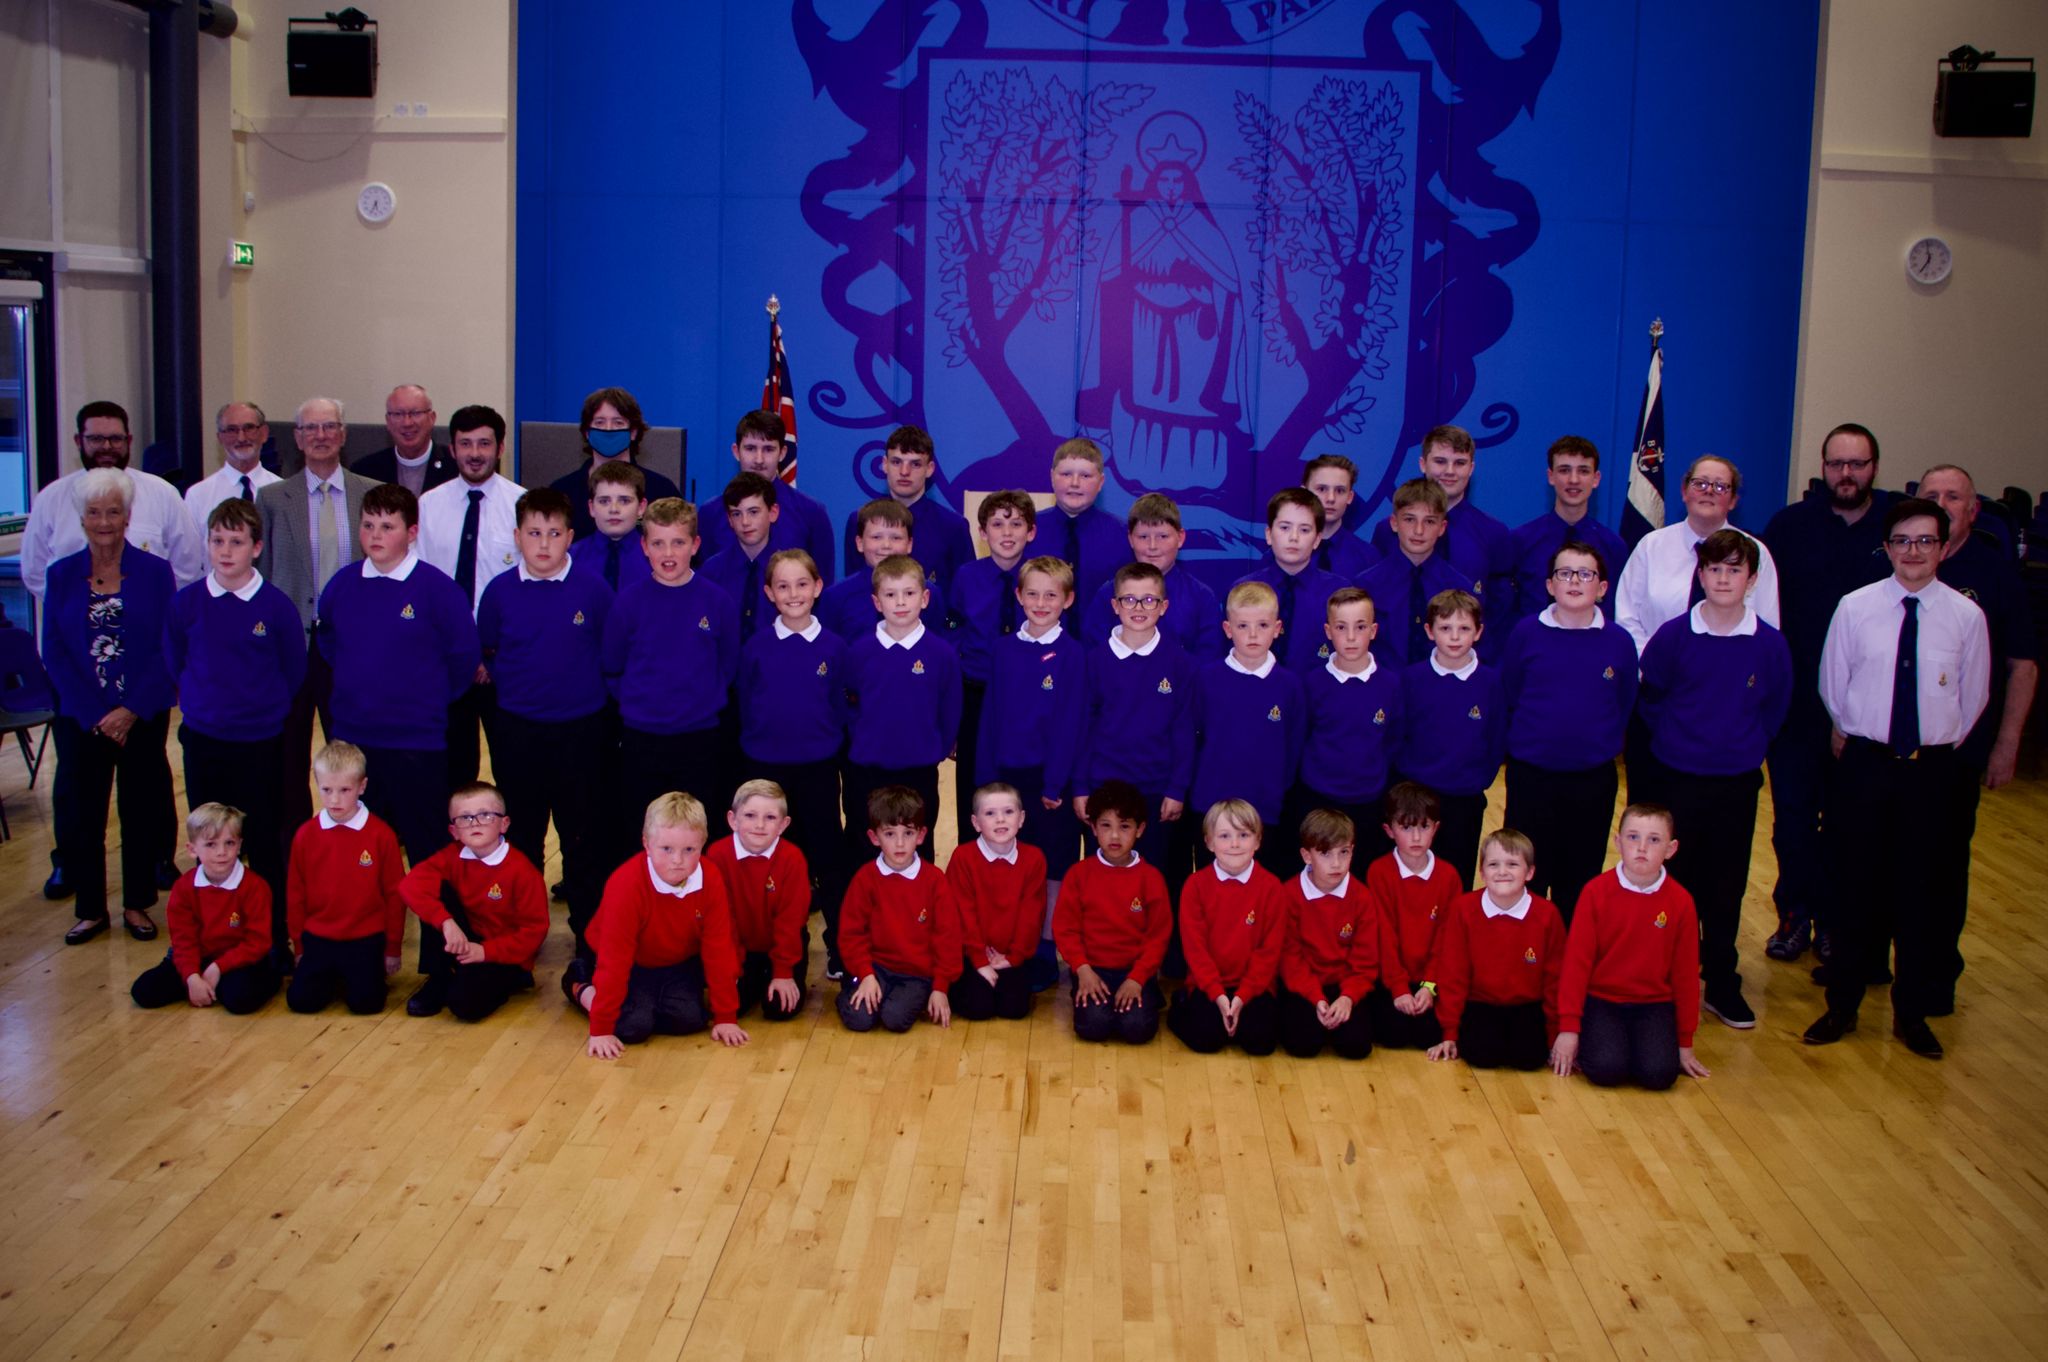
242 429
1905 674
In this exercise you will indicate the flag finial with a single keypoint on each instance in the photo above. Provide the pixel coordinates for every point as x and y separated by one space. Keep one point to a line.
775 306
1656 324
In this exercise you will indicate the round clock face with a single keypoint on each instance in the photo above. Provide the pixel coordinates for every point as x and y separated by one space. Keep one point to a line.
376 202
1928 260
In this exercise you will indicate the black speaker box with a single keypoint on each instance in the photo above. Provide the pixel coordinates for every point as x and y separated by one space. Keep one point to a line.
327 61
1984 104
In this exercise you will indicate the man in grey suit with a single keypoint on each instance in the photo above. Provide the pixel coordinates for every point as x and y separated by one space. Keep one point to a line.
309 534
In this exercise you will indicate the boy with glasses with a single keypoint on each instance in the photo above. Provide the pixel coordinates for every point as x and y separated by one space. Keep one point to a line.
483 912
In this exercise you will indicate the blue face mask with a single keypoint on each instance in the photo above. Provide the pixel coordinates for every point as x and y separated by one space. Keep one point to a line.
609 443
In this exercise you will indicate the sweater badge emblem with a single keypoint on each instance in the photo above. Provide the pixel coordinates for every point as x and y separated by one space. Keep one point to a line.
1432 914
234 919
1942 679
1346 932
821 669
577 618
407 613
1660 920
1379 716
704 623
1751 683
1607 675
917 667
1528 955
1273 715
261 630
1324 652
1047 683
366 859
508 560
1137 905
1165 686
1251 919
495 893
1473 713
769 887
924 915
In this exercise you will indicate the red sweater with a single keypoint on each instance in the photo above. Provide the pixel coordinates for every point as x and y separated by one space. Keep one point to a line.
770 899
1627 947
1411 911
1331 940
1113 917
225 927
636 924
507 903
906 926
1002 906
1233 933
343 884
1498 960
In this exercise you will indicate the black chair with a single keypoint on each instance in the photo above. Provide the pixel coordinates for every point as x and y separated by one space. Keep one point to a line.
26 702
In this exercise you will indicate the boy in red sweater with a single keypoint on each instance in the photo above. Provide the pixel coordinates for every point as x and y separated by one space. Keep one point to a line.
1112 922
664 939
1413 890
768 884
1233 925
1629 999
1332 956
1498 957
484 910
899 928
220 925
342 910
999 883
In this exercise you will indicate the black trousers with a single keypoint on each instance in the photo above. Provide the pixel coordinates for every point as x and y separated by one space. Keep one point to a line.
295 768
1055 832
470 719
812 789
1952 886
976 999
1895 839
653 764
1716 818
350 970
1194 1018
903 1001
862 781
1799 759
137 775
972 695
663 1000
1303 1034
240 991
1629 1043
553 769
1504 1036
756 973
245 776
474 991
1568 815
1368 817
408 790
1102 1022
1397 1030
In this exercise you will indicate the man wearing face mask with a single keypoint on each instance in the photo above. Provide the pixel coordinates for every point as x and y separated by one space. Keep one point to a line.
242 429
612 429
157 521
413 461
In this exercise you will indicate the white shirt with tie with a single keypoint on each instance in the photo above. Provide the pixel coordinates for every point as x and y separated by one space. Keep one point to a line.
157 523
442 511
210 491
1861 655
1656 583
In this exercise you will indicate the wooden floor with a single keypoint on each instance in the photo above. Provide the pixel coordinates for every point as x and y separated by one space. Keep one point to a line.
192 1185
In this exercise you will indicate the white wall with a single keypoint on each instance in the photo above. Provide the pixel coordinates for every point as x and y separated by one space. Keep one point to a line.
1955 372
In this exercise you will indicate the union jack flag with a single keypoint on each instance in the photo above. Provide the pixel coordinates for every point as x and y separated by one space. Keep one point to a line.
778 393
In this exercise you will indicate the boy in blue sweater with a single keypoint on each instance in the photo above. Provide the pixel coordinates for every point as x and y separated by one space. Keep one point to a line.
671 649
1137 715
945 544
1454 726
1569 675
618 498
1354 726
792 693
235 650
981 608
1717 683
1156 537
1294 530
1474 542
402 643
1250 719
740 569
882 532
541 627
903 683
757 444
1088 538
1574 474
1333 480
1405 581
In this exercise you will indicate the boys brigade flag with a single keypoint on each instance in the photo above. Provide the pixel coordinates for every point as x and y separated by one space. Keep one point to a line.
778 394
1645 509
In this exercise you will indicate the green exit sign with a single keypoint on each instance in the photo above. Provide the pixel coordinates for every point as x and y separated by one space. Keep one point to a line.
242 255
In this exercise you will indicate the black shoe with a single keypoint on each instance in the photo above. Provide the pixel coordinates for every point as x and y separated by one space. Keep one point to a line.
167 873
85 929
559 891
1914 1034
146 930
1823 946
835 969
54 888
575 977
428 1002
1791 939
1831 1027
1728 1004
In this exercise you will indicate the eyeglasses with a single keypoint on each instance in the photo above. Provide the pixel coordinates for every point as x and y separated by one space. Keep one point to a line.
246 428
1902 542
475 820
413 415
105 441
1706 487
1847 465
1575 575
1139 602
318 427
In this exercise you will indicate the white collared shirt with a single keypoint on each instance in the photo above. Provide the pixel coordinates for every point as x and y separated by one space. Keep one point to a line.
888 640
1549 617
1862 650
1517 910
1123 650
808 635
991 853
223 484
233 881
245 592
444 508
1463 673
527 574
1242 877
355 822
1135 860
740 852
1262 671
1048 638
1372 664
1621 874
157 523
662 886
1655 586
397 574
1428 867
494 858
908 872
1311 893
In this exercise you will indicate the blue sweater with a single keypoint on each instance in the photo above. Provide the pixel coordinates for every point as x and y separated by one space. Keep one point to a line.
974 612
1714 702
1346 555
401 651
1193 618
1354 730
147 586
670 654
848 606
939 539
1532 545
1102 543
745 581
589 553
1032 715
801 522
1304 646
544 644
238 663
1248 738
792 697
1400 609
906 702
1570 693
1137 723
1479 546
1453 733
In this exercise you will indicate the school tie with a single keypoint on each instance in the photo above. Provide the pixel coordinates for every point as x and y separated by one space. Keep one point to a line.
247 494
750 597
611 562
1905 728
1323 557
327 551
465 556
1418 609
1009 611
1287 585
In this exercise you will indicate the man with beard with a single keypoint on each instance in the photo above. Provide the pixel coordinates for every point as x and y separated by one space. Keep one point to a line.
242 428
157 522
412 461
1825 547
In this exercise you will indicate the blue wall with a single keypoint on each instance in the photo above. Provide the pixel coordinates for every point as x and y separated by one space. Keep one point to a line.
1220 235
